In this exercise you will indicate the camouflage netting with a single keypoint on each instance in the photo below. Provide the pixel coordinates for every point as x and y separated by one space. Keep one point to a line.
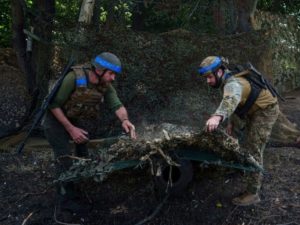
160 81
15 100
157 143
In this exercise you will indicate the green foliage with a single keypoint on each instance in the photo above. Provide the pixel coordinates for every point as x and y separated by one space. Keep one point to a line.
122 10
286 7
5 24
192 15
66 12
66 16
158 16
118 11
283 7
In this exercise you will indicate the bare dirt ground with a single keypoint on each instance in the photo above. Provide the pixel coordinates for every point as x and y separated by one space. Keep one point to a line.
27 194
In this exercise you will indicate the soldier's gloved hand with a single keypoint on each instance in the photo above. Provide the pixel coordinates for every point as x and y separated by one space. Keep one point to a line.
212 123
78 135
129 127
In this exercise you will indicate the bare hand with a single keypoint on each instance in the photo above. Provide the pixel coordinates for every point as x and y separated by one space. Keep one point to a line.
78 135
212 123
129 127
229 129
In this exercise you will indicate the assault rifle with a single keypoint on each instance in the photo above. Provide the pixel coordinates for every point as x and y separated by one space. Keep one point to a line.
47 100
265 83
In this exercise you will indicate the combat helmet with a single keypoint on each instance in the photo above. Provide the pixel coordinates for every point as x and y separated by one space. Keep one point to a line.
107 60
209 65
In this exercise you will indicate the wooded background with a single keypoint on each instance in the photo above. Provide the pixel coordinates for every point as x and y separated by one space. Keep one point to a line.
160 44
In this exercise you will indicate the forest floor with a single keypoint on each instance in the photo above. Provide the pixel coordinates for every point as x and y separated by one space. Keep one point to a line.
27 193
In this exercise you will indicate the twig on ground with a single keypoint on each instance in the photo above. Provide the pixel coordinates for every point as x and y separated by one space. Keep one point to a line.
27 218
293 222
31 193
266 217
59 222
3 218
294 205
155 212
230 214
74 157
88 197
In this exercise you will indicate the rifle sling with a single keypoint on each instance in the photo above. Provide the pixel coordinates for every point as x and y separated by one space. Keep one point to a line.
254 93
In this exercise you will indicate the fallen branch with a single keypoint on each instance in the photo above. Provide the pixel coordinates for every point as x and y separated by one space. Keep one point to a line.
27 218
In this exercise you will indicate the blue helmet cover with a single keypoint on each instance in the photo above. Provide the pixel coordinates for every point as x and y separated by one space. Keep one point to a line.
210 68
108 65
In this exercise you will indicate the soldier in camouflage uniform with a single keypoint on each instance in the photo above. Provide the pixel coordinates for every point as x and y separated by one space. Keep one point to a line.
79 99
255 105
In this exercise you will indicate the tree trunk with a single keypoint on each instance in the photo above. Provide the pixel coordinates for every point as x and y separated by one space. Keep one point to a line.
138 16
85 19
96 15
19 44
86 12
43 51
234 16
245 15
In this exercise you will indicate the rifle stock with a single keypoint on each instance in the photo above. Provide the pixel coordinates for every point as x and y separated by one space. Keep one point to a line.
273 91
47 100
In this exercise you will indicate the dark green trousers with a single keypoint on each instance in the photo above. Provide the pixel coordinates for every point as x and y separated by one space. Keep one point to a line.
59 138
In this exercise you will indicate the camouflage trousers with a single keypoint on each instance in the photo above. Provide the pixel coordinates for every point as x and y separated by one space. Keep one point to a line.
258 128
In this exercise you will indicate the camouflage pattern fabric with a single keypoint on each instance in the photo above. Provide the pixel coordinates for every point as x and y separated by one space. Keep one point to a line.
85 103
232 93
156 142
258 129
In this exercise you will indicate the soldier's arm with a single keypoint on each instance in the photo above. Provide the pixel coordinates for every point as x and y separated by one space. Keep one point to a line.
111 99
114 104
64 92
231 98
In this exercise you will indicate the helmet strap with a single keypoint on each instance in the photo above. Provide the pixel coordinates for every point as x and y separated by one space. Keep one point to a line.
218 79
97 74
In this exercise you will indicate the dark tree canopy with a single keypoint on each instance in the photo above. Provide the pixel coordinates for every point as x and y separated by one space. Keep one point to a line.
200 16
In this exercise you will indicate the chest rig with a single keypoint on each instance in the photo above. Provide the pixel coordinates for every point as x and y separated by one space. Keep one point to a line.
85 102
257 82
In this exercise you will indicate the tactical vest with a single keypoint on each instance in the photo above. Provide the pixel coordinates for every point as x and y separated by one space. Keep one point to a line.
256 93
85 102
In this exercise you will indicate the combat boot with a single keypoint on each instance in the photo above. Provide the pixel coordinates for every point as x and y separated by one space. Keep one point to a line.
70 200
246 199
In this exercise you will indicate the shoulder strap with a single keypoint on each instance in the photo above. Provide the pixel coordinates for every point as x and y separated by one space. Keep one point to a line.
243 73
254 93
81 78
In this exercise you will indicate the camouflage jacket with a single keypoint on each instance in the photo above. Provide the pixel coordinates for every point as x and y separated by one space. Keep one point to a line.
236 91
232 95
